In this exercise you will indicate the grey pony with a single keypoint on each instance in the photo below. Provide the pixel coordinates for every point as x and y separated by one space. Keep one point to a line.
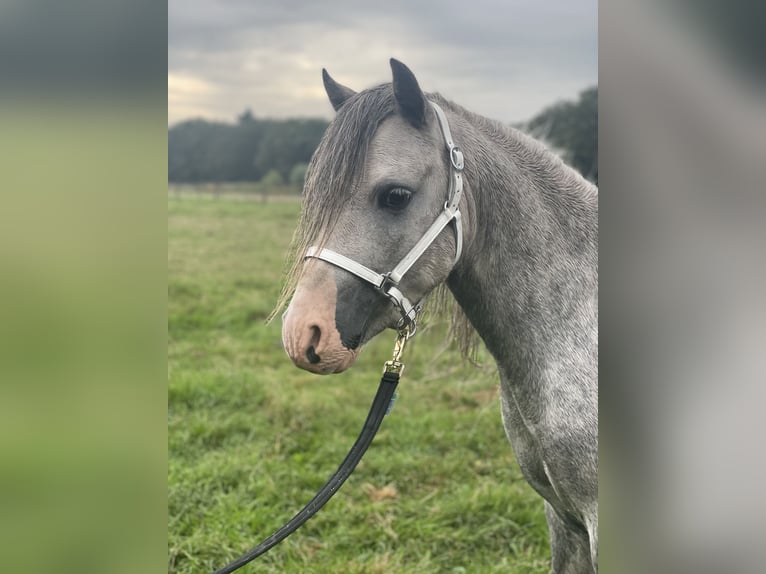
527 279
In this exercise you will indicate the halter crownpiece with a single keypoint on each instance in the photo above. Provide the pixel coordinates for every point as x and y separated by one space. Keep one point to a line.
388 283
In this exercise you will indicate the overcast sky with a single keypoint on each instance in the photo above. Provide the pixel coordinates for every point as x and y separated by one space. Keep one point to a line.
505 59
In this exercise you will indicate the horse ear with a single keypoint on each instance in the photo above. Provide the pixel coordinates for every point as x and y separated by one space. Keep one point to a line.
409 97
337 93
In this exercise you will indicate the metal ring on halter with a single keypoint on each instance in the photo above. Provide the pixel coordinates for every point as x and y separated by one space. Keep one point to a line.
387 282
410 325
407 310
456 158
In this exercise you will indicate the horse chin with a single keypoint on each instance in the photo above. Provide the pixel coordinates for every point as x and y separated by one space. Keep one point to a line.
347 362
333 361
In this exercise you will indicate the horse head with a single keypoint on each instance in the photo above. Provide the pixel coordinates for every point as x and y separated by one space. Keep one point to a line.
375 185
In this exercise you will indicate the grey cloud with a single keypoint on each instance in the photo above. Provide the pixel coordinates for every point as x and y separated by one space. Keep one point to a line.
503 59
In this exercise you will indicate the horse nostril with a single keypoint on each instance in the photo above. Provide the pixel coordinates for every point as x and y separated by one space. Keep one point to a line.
312 356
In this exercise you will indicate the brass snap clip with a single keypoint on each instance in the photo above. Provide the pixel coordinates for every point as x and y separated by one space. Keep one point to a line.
395 365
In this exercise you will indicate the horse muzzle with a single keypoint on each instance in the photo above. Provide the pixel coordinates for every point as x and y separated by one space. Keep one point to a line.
309 332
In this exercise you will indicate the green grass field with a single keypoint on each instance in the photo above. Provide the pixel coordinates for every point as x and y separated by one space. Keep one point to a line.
251 437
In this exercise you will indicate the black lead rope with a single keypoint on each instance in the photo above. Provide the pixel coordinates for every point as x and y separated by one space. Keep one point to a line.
378 410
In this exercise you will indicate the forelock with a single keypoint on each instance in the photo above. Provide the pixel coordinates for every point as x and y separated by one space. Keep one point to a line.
339 160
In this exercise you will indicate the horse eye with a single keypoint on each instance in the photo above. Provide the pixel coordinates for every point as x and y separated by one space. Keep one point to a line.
395 199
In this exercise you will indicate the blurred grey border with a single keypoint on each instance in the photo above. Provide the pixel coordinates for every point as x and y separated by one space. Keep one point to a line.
682 140
82 230
83 235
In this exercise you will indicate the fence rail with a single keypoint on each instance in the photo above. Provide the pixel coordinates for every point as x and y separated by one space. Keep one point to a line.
237 191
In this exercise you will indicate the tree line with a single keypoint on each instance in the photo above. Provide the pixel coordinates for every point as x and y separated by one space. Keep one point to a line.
201 151
571 128
277 151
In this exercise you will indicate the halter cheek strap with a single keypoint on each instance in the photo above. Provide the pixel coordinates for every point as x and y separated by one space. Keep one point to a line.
388 283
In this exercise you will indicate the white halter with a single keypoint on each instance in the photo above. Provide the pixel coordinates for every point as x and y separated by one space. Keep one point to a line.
388 283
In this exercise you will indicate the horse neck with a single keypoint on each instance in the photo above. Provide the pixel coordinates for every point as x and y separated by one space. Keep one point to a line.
527 279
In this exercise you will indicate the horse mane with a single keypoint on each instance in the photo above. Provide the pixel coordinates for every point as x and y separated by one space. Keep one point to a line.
560 183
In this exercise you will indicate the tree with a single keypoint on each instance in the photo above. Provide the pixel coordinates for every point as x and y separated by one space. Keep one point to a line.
273 177
202 151
572 128
246 117
289 142
298 174
251 149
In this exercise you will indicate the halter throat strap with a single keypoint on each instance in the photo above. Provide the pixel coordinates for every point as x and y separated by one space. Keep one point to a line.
388 283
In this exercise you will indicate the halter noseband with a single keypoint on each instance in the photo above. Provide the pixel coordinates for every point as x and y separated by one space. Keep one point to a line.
388 283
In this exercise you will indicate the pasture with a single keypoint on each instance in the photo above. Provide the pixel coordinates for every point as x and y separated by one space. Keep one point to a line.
251 438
